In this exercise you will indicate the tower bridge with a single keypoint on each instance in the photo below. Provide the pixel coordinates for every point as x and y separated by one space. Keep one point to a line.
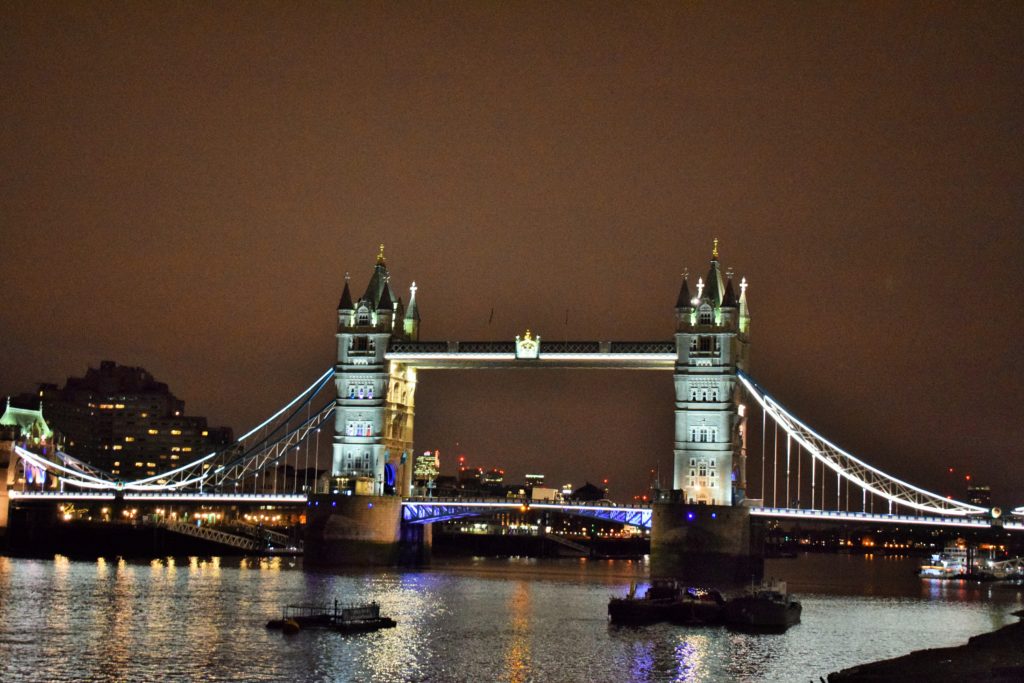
358 493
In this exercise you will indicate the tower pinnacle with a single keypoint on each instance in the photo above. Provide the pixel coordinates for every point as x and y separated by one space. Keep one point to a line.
714 250
380 254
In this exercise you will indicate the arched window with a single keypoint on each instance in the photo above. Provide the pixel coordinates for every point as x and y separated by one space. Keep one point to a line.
363 316
705 316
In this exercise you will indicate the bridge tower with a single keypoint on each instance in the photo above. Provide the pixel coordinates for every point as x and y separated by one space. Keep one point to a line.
29 427
701 532
358 520
373 418
712 343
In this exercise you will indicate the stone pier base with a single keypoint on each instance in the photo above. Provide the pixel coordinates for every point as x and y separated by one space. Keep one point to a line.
359 531
709 545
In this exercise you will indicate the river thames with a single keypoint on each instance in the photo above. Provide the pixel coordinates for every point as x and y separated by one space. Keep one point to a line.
517 620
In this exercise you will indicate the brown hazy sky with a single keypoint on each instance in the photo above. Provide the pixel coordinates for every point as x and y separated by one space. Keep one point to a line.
184 186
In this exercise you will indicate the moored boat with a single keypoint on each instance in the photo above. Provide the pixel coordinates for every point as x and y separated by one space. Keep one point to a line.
667 600
766 608
338 617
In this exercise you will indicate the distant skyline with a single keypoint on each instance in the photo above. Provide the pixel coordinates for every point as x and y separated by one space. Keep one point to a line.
184 188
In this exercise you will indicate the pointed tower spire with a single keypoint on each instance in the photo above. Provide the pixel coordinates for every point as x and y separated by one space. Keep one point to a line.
684 292
413 312
744 308
715 288
411 324
729 298
375 288
386 303
346 298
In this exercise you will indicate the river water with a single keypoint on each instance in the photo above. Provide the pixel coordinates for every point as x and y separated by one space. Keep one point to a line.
202 619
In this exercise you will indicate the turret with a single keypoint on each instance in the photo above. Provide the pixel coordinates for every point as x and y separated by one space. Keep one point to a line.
346 311
744 309
684 303
729 303
714 291
385 307
412 316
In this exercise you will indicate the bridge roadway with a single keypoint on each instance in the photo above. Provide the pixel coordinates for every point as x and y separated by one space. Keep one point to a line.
418 510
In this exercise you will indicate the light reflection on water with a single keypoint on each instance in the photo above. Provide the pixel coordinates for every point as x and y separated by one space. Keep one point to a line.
470 620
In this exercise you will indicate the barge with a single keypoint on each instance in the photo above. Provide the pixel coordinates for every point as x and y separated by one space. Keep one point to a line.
345 618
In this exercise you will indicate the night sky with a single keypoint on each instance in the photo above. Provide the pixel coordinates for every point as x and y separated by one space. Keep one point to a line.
184 187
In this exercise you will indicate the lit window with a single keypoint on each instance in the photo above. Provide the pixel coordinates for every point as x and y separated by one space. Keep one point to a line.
119 406
152 431
187 449
206 433
138 464
117 463
150 464
176 432
175 457
118 446
129 439
145 414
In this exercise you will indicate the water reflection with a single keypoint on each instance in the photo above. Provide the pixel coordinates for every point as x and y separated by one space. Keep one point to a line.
203 619
517 652
690 653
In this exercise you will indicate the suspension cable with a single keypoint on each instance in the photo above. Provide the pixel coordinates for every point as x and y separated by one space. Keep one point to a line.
764 441
775 468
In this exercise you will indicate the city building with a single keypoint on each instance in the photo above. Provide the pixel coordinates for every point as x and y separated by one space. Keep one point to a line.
493 477
534 480
425 471
980 496
120 419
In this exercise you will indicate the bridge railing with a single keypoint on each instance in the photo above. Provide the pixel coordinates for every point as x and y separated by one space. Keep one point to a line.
841 515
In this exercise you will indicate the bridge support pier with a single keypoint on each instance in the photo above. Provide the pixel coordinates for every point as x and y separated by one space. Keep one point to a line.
361 531
715 545
8 463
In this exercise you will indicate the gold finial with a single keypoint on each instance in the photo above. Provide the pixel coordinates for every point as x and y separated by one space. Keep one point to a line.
380 254
527 335
714 251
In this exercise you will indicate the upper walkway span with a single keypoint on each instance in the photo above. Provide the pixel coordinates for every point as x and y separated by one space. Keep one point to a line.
611 355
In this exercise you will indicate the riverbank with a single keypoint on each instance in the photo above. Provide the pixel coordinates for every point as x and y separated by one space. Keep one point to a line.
996 656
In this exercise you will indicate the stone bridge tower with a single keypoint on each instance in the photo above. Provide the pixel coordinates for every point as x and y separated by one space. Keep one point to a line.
702 533
712 343
373 417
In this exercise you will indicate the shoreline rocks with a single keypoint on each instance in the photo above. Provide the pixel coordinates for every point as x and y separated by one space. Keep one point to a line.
996 656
